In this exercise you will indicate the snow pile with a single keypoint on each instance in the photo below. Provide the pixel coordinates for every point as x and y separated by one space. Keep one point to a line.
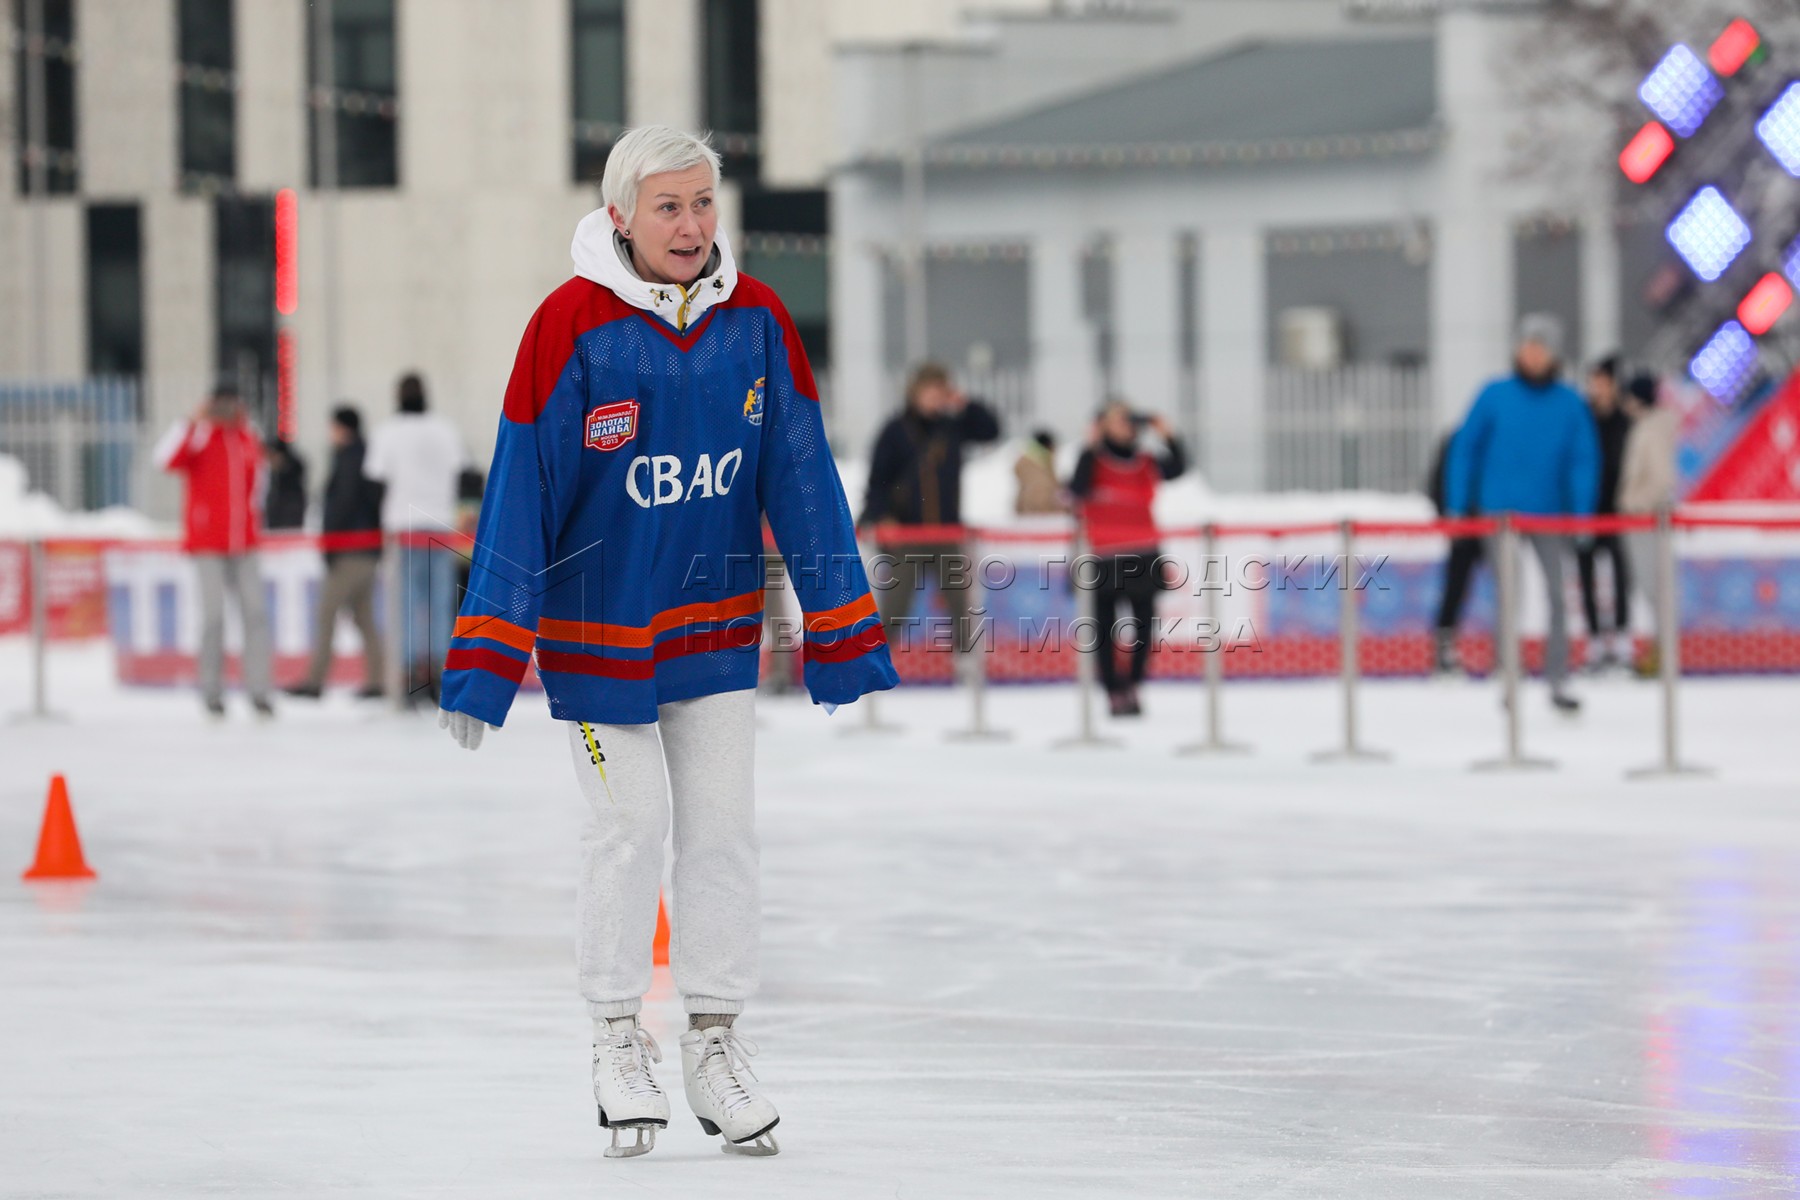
25 513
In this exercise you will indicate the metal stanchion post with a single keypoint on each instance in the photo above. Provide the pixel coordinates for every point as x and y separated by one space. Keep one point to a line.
1668 651
1506 577
36 566
1213 662
1349 645
394 586
870 704
972 666
40 629
1085 734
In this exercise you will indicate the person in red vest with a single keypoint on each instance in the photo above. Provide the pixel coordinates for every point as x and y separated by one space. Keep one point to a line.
1114 486
219 452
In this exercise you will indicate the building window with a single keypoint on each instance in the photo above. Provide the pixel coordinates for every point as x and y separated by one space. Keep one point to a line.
44 96
244 290
115 290
208 95
733 92
785 246
598 82
350 59
1547 278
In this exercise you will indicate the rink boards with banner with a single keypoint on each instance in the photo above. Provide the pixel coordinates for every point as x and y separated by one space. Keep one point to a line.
1276 615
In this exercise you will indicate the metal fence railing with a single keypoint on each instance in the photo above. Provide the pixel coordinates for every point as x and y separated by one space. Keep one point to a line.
80 441
1366 426
86 443
1008 390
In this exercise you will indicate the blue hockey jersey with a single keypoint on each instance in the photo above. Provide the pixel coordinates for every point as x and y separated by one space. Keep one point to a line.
643 440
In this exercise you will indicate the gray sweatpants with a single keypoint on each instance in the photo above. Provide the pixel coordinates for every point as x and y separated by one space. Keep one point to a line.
349 584
1646 573
241 574
1551 550
699 759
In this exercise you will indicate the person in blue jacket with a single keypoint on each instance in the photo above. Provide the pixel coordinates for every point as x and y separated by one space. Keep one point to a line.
1529 446
660 408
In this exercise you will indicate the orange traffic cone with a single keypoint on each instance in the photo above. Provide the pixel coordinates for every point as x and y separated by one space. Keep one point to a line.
661 945
59 846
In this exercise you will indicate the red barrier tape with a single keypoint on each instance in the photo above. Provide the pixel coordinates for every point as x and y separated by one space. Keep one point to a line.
921 535
904 535
1274 531
1454 527
1683 521
1596 525
361 539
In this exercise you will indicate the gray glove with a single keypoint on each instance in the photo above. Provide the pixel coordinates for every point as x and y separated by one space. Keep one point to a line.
465 729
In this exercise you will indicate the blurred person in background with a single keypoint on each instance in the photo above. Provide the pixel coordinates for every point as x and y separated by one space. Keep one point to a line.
285 505
915 479
219 454
1612 642
418 456
352 553
1459 567
1648 481
1040 492
1114 486
471 483
1529 446
669 461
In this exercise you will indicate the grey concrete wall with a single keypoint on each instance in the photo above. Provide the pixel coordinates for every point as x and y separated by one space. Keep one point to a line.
1384 297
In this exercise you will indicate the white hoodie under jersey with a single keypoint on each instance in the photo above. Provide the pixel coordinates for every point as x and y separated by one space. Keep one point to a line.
603 256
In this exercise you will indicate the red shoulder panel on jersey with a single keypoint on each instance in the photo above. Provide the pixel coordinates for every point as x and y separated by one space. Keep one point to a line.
751 292
570 311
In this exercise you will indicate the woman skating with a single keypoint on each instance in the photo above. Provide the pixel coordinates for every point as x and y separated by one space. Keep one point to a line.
661 406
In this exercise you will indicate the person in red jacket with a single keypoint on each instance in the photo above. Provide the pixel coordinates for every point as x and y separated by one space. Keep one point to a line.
219 452
1114 486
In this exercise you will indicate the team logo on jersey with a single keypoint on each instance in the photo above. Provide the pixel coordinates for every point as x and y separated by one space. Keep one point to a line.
753 404
612 425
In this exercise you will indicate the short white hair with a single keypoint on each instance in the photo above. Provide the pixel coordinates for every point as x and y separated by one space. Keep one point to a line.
650 150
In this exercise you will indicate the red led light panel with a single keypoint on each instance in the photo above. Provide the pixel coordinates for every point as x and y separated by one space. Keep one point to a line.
1734 47
285 425
287 253
1645 154
1765 303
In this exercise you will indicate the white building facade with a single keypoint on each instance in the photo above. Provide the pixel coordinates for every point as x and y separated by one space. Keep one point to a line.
1164 225
440 153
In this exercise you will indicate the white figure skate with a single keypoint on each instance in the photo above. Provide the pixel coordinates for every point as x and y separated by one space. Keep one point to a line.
626 1090
715 1066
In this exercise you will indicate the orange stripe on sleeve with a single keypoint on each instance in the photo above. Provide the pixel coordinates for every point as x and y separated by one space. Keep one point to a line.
495 629
843 616
640 637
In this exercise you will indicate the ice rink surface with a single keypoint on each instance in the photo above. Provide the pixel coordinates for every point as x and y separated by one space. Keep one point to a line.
331 956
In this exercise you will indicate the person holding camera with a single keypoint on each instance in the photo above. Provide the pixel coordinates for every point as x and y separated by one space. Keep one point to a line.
220 455
1114 486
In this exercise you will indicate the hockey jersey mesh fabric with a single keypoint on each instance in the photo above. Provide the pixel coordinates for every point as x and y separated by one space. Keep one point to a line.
620 539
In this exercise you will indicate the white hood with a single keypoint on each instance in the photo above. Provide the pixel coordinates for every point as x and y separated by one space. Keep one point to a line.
601 255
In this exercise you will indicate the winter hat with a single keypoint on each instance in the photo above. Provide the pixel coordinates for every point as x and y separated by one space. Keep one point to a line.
1546 329
1643 387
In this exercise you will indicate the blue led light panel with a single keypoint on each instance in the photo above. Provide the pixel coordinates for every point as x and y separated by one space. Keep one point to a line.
1779 129
1726 365
1790 263
1709 234
1681 90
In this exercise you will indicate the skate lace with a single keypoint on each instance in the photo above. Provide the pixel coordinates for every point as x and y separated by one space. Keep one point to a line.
634 1071
726 1056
